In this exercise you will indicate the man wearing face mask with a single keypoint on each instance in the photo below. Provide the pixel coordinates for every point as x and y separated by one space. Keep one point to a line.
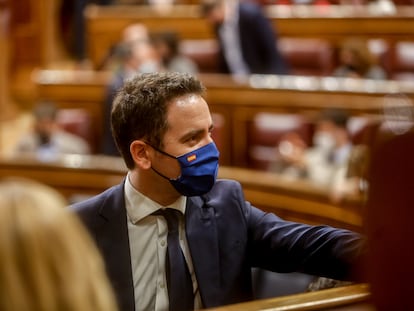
162 126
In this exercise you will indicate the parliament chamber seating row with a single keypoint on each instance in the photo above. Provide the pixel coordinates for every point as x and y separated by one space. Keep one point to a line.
305 56
266 131
313 56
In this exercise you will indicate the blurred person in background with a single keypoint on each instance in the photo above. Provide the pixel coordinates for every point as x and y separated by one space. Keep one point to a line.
48 140
352 178
247 40
325 162
47 259
357 61
167 44
134 54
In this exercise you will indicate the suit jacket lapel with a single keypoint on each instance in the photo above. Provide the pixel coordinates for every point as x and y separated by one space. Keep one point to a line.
112 239
202 239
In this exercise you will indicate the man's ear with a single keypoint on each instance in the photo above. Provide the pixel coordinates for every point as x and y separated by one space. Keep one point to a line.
141 154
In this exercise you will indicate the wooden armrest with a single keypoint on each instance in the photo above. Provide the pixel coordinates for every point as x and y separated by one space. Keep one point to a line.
334 299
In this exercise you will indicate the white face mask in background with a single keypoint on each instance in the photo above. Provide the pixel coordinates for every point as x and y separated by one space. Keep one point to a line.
324 140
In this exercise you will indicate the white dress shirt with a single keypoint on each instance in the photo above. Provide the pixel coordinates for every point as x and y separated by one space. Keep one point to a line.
148 244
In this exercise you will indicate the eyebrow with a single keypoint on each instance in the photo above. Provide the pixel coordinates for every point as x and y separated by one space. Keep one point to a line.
195 133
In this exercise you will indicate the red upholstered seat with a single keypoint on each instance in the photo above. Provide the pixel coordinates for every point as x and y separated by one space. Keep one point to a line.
265 132
203 52
308 56
402 61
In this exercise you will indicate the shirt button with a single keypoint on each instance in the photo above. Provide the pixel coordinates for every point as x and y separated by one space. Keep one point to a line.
162 285
163 243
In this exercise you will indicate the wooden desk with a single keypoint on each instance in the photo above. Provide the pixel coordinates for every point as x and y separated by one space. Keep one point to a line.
72 175
76 175
334 23
237 101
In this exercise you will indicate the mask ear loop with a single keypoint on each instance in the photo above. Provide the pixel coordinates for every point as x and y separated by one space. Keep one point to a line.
164 153
160 151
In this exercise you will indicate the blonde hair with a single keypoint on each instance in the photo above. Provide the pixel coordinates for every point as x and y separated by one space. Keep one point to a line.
47 259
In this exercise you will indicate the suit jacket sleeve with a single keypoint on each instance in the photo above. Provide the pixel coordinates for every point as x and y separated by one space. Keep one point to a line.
283 246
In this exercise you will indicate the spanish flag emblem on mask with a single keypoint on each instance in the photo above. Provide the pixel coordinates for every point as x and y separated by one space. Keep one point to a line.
191 157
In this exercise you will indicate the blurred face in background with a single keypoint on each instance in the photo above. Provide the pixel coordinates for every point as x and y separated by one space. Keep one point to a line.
217 14
325 135
44 128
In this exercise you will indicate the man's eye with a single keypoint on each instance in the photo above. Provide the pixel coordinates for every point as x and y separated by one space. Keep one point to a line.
192 139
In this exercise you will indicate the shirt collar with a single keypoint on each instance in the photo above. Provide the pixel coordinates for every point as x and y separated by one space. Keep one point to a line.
139 206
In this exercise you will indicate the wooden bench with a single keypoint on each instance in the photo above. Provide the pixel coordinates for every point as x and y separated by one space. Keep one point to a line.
78 176
236 102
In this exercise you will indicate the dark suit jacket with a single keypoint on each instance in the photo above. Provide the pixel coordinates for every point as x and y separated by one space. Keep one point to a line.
258 42
226 236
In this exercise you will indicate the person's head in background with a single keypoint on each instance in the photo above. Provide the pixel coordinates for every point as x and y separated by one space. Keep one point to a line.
45 124
217 11
356 57
167 45
331 129
133 58
47 259
119 56
135 32
135 52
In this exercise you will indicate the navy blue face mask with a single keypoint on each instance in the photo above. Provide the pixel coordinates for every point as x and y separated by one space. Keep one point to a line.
198 170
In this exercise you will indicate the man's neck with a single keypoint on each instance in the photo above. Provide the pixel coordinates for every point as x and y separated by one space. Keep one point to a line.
153 187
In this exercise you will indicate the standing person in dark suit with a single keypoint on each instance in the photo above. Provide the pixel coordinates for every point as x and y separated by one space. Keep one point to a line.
247 40
162 127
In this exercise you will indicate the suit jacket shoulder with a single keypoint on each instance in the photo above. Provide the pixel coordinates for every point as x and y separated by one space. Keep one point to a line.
105 217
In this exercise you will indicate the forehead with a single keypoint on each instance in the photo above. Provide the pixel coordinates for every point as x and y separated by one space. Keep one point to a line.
188 109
